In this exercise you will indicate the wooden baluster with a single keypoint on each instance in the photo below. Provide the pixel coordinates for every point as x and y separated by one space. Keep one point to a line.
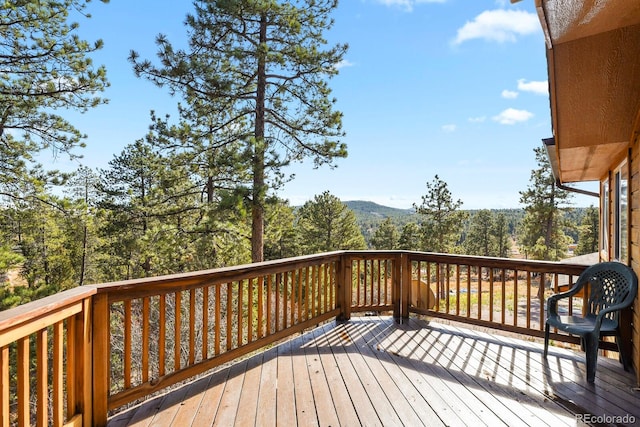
4 387
260 290
458 290
503 302
192 327
239 339
491 290
42 382
205 323
177 332
528 300
277 302
217 313
515 297
58 373
285 300
145 339
23 381
479 314
229 316
101 356
250 288
162 332
127 344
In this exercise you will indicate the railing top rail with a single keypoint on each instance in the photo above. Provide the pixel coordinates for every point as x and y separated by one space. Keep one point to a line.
511 263
27 312
182 281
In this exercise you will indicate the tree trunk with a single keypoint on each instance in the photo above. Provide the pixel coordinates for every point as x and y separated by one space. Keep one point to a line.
259 190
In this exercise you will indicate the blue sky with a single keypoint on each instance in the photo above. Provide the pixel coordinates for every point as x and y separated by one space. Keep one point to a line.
456 88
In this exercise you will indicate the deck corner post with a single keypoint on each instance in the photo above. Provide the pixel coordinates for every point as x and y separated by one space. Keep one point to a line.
401 286
100 326
344 287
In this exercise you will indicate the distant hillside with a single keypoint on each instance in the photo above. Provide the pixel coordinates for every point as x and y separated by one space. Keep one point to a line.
364 208
369 216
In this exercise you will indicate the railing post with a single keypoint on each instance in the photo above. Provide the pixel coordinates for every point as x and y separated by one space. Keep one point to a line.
345 287
85 358
401 286
100 326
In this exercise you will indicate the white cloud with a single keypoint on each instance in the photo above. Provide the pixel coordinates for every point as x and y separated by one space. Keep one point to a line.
499 25
343 64
477 119
407 5
449 128
539 88
509 94
511 116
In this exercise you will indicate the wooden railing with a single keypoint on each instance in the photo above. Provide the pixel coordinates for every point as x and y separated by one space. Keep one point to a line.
149 334
46 344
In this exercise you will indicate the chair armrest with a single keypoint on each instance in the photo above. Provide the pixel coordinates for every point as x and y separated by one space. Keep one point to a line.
620 306
552 301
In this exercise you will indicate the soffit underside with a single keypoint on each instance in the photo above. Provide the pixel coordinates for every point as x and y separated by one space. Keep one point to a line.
592 163
568 20
595 99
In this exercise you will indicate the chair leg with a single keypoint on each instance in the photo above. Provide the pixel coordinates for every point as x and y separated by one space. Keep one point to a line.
591 348
623 354
546 338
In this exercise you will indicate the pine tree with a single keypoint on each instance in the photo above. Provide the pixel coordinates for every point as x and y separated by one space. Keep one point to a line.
480 239
257 71
280 237
442 221
541 232
386 236
588 232
44 67
326 224
410 237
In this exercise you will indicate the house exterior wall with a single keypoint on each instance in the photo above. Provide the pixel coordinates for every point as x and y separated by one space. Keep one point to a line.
609 234
634 245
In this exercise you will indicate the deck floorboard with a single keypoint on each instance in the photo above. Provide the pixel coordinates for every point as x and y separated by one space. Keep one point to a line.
374 371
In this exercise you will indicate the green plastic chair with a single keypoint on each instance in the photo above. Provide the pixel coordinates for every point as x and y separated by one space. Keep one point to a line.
613 287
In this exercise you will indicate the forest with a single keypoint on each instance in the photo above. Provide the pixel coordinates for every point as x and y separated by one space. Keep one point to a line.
200 190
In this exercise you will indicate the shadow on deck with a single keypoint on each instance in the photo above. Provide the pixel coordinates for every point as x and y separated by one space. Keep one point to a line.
374 371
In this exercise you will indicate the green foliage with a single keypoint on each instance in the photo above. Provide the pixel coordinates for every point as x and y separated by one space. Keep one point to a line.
281 239
442 221
488 235
386 236
542 233
588 232
256 75
410 238
9 259
44 67
326 224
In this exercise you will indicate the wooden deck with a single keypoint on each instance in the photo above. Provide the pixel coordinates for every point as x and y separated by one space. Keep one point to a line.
374 371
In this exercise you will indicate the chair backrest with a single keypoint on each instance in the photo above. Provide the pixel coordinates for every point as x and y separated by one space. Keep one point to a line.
611 283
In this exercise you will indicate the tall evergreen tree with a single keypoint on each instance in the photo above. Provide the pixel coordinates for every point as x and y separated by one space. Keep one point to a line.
258 70
83 191
541 232
480 239
326 224
502 235
281 239
44 67
488 234
410 237
386 236
588 232
442 221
